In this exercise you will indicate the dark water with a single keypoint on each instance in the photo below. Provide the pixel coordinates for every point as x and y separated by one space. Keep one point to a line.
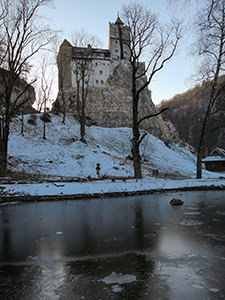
118 248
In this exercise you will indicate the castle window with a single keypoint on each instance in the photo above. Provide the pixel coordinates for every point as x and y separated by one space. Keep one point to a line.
96 64
102 82
116 42
86 82
100 72
116 50
96 81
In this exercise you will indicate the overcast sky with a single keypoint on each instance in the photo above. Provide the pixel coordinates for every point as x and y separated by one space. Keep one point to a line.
94 17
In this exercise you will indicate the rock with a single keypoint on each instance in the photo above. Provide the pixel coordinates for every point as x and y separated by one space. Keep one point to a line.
176 201
111 105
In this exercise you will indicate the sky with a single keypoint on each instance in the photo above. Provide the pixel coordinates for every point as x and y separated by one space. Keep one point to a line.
94 17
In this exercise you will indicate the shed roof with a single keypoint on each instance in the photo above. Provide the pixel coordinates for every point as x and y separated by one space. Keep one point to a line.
218 150
213 158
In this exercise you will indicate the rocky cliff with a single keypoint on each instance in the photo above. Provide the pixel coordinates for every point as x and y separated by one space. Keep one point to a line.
111 105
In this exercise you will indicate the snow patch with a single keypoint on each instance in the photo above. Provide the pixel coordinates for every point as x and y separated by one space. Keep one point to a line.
118 278
214 290
116 288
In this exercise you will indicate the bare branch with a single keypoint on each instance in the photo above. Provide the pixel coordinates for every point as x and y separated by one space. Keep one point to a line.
142 137
152 115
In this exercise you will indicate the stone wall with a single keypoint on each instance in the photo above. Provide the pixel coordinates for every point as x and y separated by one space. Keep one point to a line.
111 106
64 65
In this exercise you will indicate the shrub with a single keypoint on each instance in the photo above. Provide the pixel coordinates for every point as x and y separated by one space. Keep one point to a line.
32 120
45 117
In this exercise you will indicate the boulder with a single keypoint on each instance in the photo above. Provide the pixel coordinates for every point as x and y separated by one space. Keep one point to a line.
176 202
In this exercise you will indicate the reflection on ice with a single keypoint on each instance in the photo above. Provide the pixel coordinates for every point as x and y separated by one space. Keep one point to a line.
183 281
136 247
116 288
118 278
192 213
190 223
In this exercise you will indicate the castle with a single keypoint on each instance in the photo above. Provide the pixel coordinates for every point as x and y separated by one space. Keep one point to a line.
103 61
109 98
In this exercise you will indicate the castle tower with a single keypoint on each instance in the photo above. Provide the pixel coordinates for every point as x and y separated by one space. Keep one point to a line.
64 65
119 41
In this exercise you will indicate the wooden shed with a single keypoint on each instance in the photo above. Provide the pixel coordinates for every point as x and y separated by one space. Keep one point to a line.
215 161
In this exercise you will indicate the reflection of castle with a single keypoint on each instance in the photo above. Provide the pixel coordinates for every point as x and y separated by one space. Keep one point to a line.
103 61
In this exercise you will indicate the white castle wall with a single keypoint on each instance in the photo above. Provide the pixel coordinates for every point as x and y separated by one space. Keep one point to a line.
102 67
100 71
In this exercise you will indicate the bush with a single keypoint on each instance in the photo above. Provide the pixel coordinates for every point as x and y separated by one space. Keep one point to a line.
45 117
32 120
56 108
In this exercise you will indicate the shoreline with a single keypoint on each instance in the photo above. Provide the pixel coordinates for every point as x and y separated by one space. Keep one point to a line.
60 191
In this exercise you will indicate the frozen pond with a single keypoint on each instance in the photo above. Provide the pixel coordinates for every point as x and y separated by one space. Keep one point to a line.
117 248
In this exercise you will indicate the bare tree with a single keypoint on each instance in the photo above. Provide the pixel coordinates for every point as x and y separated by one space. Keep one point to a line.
62 89
24 35
155 43
82 67
45 71
4 9
211 47
47 77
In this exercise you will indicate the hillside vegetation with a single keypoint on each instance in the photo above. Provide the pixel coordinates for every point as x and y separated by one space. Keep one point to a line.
186 112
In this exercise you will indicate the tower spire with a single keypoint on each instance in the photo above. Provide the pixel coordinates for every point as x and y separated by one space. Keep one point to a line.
118 21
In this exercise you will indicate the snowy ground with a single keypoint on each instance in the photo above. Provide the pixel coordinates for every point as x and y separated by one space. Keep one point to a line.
97 188
63 155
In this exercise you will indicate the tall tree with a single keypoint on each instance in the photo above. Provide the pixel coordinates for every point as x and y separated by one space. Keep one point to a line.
24 35
157 45
211 47
47 77
82 67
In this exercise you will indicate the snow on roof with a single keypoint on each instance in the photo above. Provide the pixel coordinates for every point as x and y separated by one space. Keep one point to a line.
213 158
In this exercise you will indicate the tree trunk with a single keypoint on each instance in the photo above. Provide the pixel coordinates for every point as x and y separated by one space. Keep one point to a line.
136 135
4 146
22 123
199 165
44 129
205 124
82 116
201 146
136 154
64 106
82 128
44 121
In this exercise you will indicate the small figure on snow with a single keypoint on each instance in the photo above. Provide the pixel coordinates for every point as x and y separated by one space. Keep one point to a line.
98 168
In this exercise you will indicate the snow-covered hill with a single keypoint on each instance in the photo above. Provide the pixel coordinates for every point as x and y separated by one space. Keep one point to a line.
62 154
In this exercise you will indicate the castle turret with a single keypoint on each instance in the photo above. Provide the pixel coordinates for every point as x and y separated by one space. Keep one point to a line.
64 65
119 41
